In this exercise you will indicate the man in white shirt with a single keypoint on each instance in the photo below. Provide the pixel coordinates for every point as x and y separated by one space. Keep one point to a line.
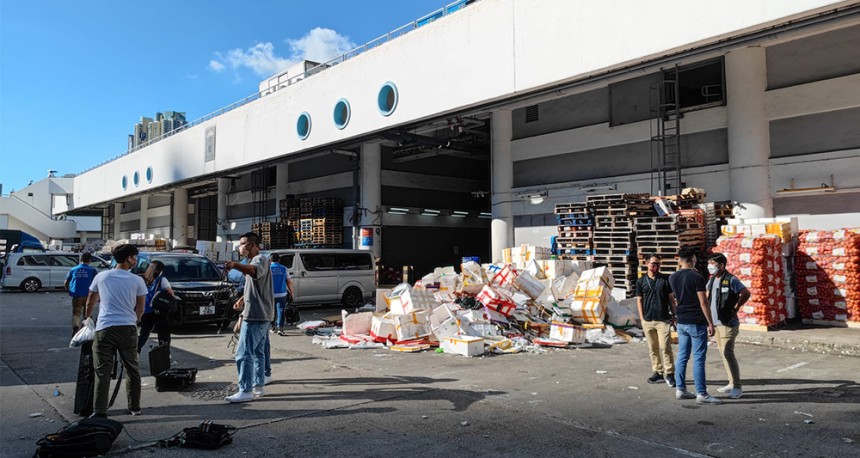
121 296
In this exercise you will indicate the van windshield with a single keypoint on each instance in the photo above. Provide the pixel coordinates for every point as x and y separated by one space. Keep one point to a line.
178 268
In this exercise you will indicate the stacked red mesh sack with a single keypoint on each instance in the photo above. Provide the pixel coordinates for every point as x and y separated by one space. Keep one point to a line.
757 262
828 275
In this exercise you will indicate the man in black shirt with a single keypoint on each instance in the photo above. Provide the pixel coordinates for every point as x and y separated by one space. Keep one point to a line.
694 326
654 298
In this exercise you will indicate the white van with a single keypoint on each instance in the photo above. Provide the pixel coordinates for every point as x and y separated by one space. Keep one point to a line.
324 276
32 271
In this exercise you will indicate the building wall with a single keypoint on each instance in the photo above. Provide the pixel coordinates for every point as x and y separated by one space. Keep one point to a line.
496 49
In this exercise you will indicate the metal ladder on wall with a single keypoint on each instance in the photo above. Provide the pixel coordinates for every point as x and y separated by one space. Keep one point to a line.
259 196
666 135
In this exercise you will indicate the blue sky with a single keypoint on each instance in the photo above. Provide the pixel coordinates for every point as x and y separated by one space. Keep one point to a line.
76 76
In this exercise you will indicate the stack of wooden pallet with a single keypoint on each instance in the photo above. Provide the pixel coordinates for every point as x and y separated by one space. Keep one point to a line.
273 235
614 241
665 236
575 231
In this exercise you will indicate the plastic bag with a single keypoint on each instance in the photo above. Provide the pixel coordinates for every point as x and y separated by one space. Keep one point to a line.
86 334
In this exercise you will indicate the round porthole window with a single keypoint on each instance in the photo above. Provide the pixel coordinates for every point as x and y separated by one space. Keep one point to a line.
303 125
124 182
341 113
136 179
149 174
386 101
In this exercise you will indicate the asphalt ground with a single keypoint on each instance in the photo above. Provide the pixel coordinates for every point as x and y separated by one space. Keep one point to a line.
586 402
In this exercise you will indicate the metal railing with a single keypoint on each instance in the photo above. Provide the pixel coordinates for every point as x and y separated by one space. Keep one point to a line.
396 33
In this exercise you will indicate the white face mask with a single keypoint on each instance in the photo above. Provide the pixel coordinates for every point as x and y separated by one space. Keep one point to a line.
712 269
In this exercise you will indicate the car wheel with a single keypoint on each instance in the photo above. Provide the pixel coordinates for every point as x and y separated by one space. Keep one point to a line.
351 297
31 285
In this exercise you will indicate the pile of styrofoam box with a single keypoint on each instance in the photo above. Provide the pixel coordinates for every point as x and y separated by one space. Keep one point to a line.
784 227
216 251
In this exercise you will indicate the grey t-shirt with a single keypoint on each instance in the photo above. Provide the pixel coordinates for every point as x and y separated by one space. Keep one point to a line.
259 297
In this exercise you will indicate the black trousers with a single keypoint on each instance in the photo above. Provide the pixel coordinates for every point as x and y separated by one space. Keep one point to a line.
161 323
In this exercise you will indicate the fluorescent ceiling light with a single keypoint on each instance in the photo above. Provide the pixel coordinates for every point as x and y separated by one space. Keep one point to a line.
430 212
398 210
537 199
485 215
459 214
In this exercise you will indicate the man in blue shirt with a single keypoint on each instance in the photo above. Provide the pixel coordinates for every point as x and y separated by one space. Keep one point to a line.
283 287
78 283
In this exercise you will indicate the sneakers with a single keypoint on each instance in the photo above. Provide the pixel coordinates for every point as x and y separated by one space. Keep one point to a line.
656 377
707 399
725 389
134 412
684 394
241 396
670 380
267 379
259 391
736 393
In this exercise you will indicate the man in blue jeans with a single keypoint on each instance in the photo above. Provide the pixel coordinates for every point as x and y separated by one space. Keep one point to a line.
258 310
694 326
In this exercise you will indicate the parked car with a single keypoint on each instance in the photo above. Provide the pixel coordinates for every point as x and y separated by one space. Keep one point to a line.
31 272
325 276
204 295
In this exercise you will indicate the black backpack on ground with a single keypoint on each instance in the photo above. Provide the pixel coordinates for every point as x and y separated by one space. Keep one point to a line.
87 437
291 314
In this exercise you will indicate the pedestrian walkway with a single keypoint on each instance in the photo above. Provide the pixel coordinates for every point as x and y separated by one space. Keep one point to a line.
807 338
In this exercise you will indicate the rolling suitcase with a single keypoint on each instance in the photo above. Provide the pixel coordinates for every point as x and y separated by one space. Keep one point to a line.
85 389
167 379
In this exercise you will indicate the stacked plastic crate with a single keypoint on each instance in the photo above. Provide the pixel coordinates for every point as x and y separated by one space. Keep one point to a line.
758 264
828 276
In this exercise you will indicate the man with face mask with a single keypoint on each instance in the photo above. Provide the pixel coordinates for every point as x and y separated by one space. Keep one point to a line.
655 299
726 295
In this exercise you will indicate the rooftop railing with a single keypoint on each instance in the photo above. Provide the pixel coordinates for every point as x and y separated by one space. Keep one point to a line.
396 33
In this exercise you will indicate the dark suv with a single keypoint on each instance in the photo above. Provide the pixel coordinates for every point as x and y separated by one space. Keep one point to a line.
204 295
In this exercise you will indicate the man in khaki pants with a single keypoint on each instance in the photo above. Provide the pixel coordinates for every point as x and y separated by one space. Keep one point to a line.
656 308
726 295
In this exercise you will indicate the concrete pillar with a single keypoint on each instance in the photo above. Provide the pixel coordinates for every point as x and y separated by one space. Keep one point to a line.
748 131
144 211
117 220
180 216
222 226
282 185
371 194
502 177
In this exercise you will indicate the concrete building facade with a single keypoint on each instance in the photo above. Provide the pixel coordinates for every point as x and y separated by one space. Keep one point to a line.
493 114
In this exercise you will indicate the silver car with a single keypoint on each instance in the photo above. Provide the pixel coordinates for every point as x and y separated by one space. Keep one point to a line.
31 271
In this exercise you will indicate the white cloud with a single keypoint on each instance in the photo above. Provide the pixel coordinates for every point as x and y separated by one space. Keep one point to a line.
319 45
216 66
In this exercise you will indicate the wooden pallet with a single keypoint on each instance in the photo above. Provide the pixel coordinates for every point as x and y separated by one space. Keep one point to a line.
571 208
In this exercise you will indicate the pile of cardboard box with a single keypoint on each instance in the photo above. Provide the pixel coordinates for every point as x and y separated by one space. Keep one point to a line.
502 308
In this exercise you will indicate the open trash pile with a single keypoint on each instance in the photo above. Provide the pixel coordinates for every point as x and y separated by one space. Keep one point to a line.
496 308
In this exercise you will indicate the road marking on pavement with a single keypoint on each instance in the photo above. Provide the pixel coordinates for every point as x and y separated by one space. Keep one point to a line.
793 366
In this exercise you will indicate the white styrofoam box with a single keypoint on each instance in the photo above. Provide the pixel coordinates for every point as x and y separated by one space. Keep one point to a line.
443 312
619 294
591 310
530 285
473 316
204 245
356 323
567 332
479 329
520 299
463 345
382 327
411 300
382 299
414 325
448 282
451 326
535 269
568 286
619 316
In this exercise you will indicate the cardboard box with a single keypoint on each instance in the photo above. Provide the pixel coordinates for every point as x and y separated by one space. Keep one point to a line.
567 332
463 345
